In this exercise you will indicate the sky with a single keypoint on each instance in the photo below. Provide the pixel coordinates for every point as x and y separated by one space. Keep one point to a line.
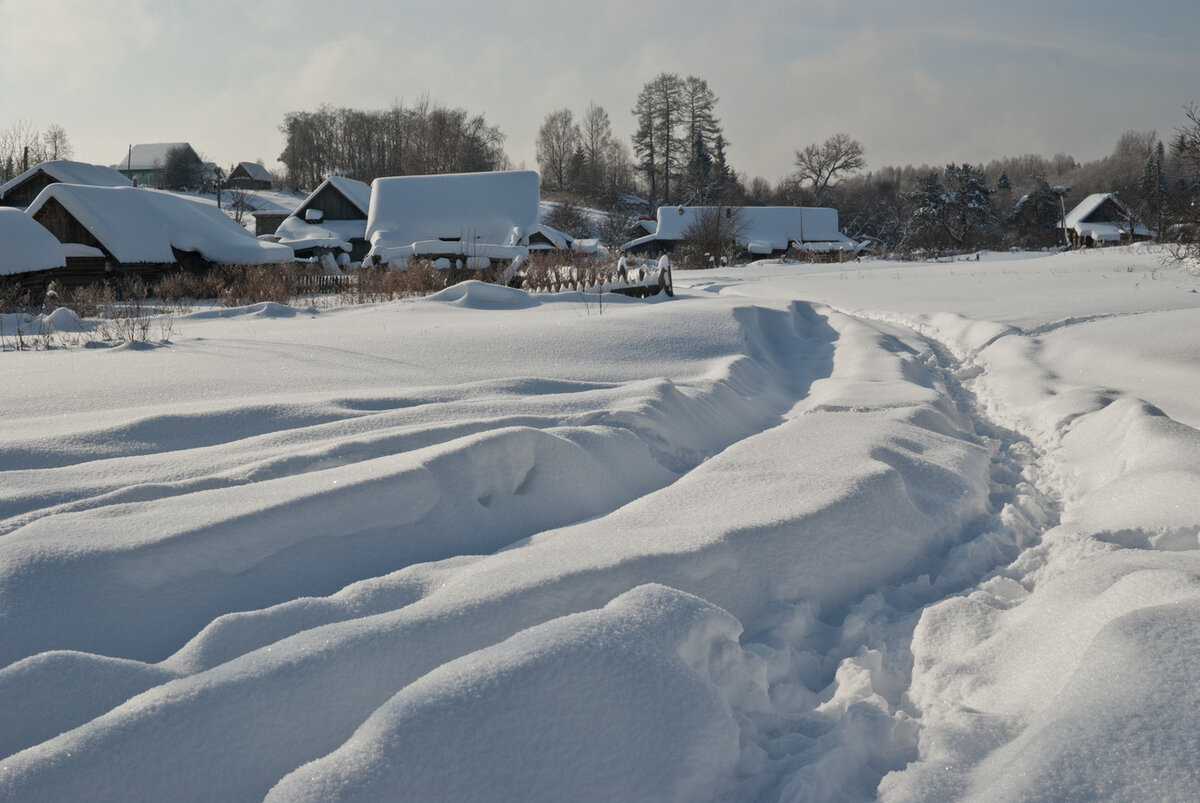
916 82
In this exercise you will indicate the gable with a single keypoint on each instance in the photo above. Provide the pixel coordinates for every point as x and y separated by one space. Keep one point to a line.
251 170
22 189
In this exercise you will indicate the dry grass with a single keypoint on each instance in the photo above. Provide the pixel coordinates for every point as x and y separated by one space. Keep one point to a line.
548 272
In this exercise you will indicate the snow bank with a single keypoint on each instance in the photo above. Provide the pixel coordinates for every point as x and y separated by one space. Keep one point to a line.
737 545
656 674
480 295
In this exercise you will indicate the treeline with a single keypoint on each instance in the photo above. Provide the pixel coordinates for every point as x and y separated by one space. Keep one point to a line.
679 154
1010 202
424 138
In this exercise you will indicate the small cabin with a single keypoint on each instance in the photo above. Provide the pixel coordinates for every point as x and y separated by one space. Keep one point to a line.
21 190
760 230
250 176
332 219
1101 219
145 165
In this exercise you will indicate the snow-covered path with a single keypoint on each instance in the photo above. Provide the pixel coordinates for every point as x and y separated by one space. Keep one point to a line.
798 534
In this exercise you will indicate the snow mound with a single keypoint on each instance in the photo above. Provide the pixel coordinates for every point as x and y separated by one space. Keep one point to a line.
481 295
656 674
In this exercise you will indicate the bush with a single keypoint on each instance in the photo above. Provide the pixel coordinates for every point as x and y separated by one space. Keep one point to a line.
711 238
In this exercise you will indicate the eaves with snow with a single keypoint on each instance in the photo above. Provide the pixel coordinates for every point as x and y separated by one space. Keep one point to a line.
27 245
22 189
479 216
332 217
1102 217
142 226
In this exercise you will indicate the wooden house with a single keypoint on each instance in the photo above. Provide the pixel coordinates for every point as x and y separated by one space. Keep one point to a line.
760 230
332 219
145 164
110 232
473 219
250 176
1101 219
21 190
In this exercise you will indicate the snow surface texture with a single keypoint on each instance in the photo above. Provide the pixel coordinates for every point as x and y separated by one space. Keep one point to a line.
882 530
138 225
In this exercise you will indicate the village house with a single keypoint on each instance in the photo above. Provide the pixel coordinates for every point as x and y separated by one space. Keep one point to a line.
1101 219
110 232
250 176
145 165
473 220
760 230
21 190
331 220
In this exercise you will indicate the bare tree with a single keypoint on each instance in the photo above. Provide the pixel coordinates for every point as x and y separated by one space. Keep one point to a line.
711 238
55 144
823 166
22 144
596 133
557 141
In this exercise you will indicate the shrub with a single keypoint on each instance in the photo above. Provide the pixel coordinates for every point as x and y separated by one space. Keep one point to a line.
711 238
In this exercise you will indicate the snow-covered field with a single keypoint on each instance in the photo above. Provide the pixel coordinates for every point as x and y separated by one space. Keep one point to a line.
910 531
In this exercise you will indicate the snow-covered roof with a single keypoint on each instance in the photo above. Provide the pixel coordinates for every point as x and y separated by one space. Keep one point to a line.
551 238
256 171
298 234
69 172
27 245
471 209
1077 219
762 229
151 156
138 225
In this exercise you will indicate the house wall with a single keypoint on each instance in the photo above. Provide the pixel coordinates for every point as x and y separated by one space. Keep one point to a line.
333 205
24 193
62 224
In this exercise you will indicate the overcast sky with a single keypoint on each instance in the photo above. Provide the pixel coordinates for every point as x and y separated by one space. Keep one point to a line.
918 81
